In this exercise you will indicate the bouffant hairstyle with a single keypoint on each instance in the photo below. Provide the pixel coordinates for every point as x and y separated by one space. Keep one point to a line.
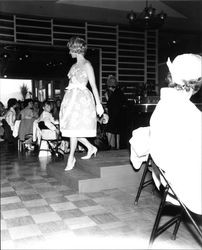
195 85
77 45
185 72
27 101
111 81
11 102
46 102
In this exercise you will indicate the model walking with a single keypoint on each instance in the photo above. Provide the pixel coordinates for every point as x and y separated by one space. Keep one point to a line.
79 106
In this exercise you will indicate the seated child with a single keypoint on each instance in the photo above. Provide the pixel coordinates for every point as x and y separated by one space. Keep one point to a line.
47 123
46 120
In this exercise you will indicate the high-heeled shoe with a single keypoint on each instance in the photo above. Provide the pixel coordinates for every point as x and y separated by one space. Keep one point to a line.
90 153
70 165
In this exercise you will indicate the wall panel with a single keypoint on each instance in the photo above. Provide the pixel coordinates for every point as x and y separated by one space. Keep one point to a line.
130 55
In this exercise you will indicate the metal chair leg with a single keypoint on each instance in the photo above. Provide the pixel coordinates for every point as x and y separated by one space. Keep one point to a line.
157 230
177 225
185 210
158 217
20 146
143 183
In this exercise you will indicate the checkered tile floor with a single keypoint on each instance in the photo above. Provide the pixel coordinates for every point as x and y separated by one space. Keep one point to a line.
37 212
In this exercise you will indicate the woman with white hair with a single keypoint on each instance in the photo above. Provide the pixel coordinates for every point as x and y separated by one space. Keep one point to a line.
176 131
174 137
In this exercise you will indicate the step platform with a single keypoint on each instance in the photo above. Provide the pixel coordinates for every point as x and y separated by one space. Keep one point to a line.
109 169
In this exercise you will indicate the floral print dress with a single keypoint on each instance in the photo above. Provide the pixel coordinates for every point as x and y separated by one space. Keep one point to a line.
77 112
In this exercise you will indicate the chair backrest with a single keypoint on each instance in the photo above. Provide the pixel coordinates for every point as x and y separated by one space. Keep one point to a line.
174 195
47 134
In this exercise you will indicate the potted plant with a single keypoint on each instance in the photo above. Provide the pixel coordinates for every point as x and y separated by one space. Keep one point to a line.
24 90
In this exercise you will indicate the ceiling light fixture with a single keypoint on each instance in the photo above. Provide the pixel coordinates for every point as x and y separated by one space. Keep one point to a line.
147 19
4 56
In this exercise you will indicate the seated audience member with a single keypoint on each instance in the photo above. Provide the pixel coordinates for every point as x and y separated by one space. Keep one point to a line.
2 109
18 109
10 115
28 111
28 116
56 108
46 119
2 116
9 122
175 137
48 124
36 107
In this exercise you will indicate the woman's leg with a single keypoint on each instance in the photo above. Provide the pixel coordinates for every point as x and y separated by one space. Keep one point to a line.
85 142
73 145
92 150
117 141
111 139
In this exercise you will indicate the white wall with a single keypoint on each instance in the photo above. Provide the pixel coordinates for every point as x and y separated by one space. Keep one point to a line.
10 88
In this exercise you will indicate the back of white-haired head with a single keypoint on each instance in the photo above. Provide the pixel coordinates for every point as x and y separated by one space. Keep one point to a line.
185 67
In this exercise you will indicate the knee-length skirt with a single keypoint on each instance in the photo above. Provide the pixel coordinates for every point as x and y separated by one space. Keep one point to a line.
78 113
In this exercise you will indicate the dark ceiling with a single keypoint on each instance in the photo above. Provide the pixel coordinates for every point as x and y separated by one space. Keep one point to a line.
182 15
181 33
28 62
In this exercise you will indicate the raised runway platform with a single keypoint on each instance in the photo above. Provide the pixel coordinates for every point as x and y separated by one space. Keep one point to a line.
110 169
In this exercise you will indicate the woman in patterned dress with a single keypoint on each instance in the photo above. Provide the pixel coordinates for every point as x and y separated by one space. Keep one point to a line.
79 106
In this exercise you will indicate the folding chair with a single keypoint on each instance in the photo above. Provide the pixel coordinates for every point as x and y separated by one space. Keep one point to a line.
21 143
25 134
166 190
49 142
157 229
144 183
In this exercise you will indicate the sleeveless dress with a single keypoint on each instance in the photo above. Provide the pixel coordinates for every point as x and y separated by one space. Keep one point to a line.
77 113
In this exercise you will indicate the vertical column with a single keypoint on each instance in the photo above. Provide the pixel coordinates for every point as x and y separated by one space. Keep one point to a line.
145 56
14 26
117 53
52 32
